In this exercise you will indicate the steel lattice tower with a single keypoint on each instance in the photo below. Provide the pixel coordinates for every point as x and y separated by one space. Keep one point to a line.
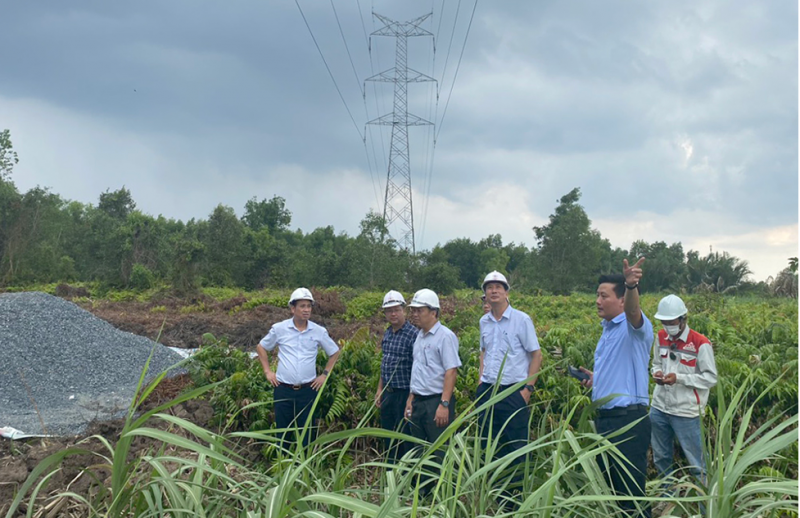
398 204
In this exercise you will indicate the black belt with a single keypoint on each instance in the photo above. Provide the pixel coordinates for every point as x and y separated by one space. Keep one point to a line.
394 389
426 398
622 410
295 387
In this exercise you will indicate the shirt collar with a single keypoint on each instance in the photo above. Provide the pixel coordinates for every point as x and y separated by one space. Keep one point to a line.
309 326
405 327
433 330
616 320
506 314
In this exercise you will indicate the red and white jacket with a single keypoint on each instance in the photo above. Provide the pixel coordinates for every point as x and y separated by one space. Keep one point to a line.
694 368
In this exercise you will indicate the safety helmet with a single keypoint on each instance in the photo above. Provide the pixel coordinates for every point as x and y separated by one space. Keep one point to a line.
425 298
495 276
301 294
393 298
670 308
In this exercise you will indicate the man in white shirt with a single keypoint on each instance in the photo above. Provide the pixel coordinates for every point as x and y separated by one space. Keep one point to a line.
510 354
296 380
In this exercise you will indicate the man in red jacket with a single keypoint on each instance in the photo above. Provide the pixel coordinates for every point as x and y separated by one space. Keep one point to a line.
684 370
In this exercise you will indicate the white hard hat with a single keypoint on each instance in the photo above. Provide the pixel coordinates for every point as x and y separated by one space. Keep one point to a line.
670 308
393 298
301 294
425 298
495 276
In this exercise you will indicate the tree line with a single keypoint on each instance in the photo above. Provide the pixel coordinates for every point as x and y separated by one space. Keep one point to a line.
45 238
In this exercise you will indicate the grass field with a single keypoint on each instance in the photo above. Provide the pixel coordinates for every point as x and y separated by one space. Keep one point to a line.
189 470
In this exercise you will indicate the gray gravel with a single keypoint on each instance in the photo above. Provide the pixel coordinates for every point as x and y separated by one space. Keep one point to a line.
75 367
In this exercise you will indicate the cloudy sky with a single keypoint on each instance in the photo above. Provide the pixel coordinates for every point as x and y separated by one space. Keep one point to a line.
678 120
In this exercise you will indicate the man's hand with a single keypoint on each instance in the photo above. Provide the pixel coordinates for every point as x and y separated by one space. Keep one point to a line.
670 379
318 381
442 416
632 273
659 378
526 396
271 377
587 383
407 413
378 399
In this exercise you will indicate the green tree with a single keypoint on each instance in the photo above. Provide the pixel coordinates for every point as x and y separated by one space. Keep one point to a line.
8 157
434 272
272 214
223 240
569 250
716 272
117 204
665 266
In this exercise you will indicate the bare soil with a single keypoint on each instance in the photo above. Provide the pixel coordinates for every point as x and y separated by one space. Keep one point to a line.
168 321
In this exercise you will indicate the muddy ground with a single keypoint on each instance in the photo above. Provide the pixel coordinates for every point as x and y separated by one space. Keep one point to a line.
242 328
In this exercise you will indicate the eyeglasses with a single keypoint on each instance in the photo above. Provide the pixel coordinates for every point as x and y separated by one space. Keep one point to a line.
672 348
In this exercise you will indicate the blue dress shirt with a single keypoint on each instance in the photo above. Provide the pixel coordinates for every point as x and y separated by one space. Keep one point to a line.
621 362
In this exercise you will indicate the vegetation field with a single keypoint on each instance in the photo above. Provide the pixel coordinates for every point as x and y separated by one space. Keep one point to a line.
166 462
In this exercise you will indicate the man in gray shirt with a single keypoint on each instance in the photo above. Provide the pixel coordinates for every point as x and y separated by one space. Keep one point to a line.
431 404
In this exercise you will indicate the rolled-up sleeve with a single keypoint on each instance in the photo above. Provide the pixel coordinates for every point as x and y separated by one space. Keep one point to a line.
643 336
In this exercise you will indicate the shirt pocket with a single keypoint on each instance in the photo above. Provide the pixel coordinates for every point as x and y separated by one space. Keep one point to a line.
429 355
687 362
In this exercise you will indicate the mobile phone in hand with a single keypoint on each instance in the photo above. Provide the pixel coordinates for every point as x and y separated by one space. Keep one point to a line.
577 373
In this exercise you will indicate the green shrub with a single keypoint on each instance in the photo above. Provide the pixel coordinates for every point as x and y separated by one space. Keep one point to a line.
141 277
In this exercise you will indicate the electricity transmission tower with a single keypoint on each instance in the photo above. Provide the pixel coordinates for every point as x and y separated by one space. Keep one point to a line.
398 205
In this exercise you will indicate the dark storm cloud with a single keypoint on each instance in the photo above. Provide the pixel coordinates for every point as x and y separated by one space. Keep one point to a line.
644 105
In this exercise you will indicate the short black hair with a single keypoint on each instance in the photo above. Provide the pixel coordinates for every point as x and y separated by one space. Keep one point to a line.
617 279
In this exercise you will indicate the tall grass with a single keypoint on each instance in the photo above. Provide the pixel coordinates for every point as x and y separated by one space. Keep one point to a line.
191 471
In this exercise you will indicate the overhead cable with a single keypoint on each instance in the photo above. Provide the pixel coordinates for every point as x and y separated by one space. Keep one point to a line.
458 66
329 70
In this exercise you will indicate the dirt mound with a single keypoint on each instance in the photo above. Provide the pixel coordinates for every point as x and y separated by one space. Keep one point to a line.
175 326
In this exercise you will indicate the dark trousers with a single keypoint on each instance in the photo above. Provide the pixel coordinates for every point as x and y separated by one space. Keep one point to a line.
292 408
422 426
634 448
509 418
393 407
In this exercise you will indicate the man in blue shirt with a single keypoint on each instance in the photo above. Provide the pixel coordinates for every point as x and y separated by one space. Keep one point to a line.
510 354
295 380
621 362
398 354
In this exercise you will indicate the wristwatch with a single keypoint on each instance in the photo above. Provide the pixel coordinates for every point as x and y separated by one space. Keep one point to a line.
325 372
635 286
529 387
444 403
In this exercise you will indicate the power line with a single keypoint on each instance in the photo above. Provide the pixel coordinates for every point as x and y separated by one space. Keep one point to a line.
344 40
458 66
450 45
328 69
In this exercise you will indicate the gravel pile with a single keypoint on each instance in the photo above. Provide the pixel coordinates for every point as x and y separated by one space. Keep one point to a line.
61 365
